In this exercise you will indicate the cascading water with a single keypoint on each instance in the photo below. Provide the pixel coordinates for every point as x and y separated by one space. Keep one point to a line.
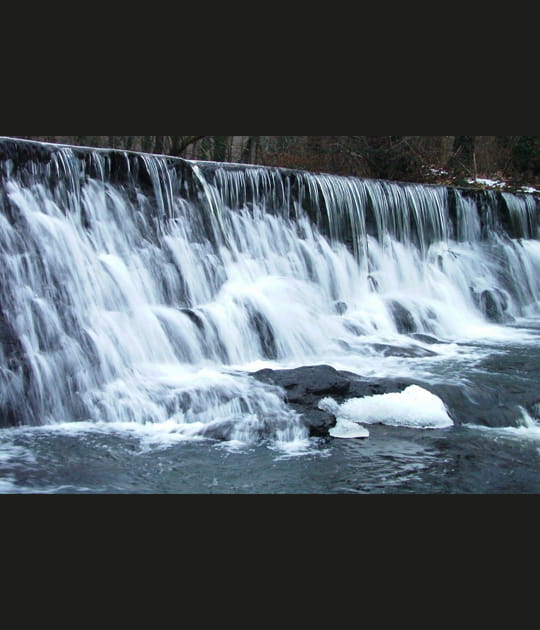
146 290
440 257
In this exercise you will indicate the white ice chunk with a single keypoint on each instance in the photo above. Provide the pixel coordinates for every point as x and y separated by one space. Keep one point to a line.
414 408
347 430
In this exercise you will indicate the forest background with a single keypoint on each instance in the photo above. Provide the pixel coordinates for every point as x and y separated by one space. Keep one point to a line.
424 159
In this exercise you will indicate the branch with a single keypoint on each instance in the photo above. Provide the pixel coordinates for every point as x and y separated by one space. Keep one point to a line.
186 143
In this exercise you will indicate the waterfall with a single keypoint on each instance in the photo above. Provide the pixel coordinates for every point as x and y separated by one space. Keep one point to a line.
143 289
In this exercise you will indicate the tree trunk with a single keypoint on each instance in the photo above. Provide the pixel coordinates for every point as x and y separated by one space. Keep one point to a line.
463 159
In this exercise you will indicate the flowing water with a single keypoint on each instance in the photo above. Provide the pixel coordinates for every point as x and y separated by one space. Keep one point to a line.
140 293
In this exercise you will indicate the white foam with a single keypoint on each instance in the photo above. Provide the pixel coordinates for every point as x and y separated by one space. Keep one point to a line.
414 408
529 428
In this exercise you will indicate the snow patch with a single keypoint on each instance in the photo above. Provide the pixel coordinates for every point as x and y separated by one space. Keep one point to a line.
492 183
414 408
500 184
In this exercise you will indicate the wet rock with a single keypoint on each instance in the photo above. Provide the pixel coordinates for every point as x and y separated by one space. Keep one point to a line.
412 352
484 405
307 383
21 152
428 339
265 333
196 319
495 306
319 422
494 303
305 387
373 283
15 377
403 318
11 347
354 329
362 387
221 431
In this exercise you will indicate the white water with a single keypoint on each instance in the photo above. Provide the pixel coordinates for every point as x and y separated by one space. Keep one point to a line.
148 309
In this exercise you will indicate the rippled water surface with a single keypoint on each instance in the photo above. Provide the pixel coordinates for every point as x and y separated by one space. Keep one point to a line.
392 461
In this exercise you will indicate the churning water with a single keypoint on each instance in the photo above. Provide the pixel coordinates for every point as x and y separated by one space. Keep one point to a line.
139 294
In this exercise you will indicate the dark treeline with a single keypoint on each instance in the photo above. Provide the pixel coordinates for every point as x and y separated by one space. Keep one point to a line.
410 158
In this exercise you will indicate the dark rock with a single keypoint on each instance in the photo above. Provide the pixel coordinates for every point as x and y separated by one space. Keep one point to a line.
417 352
16 383
307 383
20 151
403 318
483 405
495 306
363 388
196 319
317 421
373 283
10 343
265 333
354 329
220 431
341 308
426 339
304 388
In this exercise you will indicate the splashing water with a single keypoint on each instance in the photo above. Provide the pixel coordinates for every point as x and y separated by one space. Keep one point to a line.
140 289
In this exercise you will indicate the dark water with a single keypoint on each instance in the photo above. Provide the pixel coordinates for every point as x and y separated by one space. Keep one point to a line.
392 461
